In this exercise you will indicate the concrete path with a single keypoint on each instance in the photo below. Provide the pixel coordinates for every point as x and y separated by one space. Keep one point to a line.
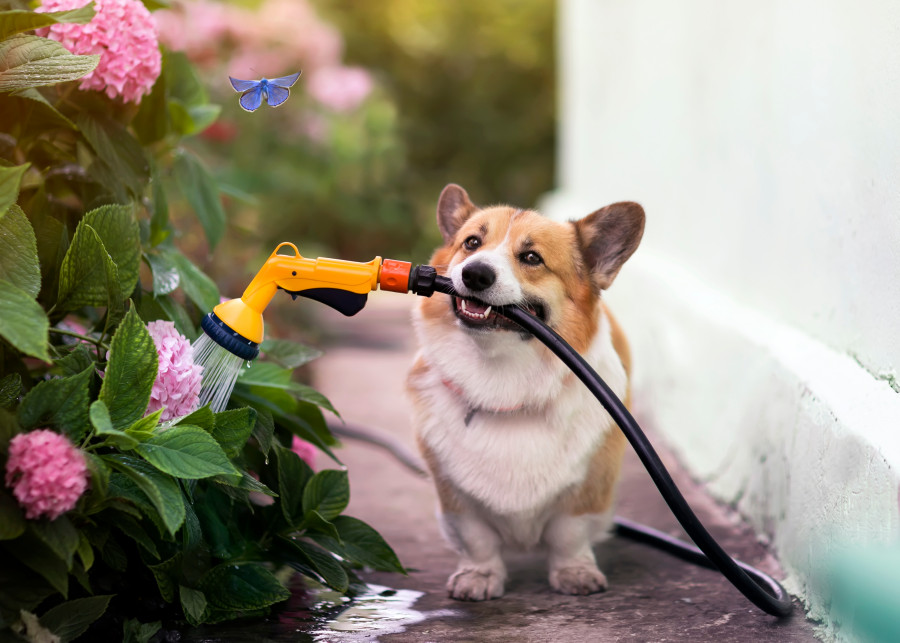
652 596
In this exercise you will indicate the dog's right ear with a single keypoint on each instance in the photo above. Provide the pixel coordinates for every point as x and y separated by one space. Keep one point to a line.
453 208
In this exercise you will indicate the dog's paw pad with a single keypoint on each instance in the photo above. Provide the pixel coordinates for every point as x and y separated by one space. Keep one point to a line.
578 580
475 585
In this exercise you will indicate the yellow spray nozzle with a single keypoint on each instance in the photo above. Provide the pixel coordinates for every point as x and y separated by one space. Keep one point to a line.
343 285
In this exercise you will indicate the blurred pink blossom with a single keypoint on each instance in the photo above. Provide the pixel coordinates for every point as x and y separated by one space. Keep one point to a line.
124 35
305 450
46 473
177 385
340 89
195 28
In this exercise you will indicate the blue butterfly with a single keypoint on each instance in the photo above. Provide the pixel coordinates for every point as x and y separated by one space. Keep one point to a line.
274 90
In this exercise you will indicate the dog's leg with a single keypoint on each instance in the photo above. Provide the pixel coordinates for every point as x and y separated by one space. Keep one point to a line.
481 573
573 568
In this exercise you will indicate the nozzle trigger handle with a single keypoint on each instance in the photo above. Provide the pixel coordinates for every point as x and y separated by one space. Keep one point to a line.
345 302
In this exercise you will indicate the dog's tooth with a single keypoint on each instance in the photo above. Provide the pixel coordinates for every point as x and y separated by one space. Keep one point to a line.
487 311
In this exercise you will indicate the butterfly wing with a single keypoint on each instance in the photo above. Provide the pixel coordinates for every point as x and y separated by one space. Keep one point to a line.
277 95
285 81
252 98
242 85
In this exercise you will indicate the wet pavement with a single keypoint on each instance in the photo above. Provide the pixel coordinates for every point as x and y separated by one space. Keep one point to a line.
652 596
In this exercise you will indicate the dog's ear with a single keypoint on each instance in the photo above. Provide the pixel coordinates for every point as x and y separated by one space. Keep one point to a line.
608 237
453 208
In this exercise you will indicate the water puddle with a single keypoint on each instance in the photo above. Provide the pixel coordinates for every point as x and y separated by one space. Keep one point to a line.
319 615
378 612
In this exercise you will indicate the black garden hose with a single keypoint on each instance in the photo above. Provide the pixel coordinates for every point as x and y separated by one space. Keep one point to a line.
760 588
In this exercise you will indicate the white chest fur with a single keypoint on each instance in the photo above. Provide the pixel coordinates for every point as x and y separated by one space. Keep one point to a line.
512 463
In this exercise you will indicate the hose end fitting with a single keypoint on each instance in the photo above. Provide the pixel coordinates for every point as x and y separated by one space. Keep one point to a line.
422 279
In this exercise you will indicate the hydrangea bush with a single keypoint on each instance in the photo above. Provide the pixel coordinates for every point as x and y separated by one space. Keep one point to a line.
122 502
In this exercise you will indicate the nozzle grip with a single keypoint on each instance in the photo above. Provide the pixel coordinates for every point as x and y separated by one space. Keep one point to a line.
345 302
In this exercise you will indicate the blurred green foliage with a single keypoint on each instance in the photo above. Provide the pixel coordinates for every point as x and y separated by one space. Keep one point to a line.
474 85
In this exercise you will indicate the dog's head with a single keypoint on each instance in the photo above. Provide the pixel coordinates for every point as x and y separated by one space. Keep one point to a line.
556 271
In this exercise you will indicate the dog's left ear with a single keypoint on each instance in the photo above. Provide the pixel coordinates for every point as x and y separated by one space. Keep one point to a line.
453 208
608 237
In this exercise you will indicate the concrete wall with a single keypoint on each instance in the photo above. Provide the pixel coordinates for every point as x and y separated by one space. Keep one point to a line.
764 303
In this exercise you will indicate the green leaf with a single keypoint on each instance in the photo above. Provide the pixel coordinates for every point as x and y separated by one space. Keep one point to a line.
201 192
131 528
12 520
103 427
293 474
161 489
36 555
232 429
193 602
124 488
132 369
313 522
75 361
328 493
287 353
151 123
71 619
42 113
196 284
311 395
30 61
13 22
264 431
88 275
62 402
23 323
10 388
165 574
117 149
165 273
85 551
18 252
133 631
323 562
159 215
246 483
202 417
242 586
59 535
10 179
118 230
266 374
143 428
182 80
361 544
176 313
186 452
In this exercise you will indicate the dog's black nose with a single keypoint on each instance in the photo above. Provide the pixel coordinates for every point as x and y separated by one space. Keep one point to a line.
478 276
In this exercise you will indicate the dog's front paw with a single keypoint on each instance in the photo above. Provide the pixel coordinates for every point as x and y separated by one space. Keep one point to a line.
579 579
475 585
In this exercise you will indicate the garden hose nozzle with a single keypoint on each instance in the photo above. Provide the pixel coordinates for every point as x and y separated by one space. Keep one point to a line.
237 324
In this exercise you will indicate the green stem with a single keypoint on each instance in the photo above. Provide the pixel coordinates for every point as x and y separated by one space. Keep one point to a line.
71 333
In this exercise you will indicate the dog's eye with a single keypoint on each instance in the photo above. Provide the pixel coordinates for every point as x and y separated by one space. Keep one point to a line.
531 258
472 243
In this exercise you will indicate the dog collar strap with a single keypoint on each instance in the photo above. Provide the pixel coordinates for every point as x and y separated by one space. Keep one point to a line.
472 410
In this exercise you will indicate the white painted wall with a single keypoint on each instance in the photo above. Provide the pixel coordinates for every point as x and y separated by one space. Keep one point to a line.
763 139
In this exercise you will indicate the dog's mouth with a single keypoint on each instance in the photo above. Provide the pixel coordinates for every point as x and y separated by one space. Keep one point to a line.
477 314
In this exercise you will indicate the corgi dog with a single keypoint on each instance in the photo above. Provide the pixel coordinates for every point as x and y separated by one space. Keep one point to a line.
521 453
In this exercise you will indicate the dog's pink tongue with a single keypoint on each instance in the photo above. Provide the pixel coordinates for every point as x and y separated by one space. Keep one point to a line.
475 307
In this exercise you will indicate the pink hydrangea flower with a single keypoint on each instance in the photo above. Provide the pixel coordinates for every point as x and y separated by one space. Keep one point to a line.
177 386
340 89
124 35
46 473
305 450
